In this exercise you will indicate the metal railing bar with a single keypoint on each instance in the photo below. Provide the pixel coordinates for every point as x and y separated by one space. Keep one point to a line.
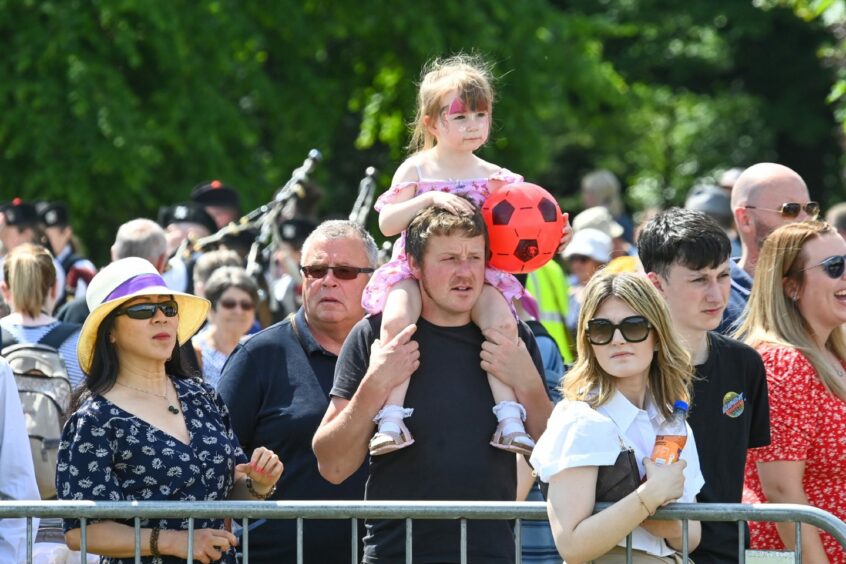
741 543
245 540
629 553
83 541
463 545
797 554
29 539
354 527
299 540
136 528
518 541
409 547
190 540
685 540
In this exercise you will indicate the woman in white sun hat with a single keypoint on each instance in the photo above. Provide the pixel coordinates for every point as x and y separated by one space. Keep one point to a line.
145 429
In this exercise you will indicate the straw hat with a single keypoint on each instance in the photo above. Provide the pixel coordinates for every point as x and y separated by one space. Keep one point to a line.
123 280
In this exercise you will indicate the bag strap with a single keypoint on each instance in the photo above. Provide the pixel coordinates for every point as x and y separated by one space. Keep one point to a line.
292 317
58 334
7 339
69 261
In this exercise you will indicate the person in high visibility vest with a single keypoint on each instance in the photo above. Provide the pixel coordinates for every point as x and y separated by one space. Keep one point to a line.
550 288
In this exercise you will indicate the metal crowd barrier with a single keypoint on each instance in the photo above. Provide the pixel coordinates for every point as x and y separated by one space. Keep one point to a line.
404 510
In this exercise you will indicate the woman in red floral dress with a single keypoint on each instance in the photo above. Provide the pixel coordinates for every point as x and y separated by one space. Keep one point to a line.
795 320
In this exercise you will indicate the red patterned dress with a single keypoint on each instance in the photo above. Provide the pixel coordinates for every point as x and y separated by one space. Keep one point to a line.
806 423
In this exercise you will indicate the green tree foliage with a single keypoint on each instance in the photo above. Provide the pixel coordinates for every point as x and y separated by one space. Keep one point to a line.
120 106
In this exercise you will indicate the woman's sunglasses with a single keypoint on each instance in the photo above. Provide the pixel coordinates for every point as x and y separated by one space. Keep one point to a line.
246 305
634 329
791 210
146 311
340 272
833 266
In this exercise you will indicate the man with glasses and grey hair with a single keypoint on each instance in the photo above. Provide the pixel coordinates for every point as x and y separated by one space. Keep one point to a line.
764 197
276 385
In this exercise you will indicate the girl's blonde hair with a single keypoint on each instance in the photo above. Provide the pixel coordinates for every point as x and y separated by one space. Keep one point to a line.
470 75
670 373
30 275
773 316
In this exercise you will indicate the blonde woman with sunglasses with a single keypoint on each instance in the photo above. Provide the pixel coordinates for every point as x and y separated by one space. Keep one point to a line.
630 370
795 320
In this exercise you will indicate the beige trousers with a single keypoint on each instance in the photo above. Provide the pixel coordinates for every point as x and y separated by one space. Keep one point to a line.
617 555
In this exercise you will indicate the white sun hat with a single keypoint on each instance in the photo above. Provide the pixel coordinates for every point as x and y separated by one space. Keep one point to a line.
124 280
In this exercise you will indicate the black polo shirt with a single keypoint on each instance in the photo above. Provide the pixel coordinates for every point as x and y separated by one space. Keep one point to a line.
277 392
730 414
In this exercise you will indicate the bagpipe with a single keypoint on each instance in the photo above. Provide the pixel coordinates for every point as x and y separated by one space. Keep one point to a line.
263 224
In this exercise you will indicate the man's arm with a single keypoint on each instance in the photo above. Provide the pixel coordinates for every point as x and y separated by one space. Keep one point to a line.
512 364
341 441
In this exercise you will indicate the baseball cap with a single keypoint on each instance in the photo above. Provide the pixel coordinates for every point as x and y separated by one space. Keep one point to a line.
711 200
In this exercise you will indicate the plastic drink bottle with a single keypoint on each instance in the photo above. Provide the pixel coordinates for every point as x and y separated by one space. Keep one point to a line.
672 436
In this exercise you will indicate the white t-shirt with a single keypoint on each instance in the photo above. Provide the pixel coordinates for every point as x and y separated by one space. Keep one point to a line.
17 476
577 435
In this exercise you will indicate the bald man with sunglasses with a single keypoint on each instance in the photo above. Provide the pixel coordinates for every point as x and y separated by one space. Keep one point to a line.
276 386
765 197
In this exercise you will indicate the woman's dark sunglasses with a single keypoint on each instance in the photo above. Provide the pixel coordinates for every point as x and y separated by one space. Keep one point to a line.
246 305
340 272
833 266
634 329
791 210
146 311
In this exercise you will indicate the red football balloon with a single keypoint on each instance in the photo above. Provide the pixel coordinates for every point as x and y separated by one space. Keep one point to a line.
524 227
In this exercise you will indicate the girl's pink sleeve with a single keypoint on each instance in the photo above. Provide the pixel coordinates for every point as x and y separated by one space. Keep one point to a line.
389 196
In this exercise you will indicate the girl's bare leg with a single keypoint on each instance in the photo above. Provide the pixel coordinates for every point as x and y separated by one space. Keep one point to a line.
493 312
402 308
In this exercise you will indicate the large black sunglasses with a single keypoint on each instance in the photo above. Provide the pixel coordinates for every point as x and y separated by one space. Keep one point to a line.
145 311
340 272
791 210
634 329
833 266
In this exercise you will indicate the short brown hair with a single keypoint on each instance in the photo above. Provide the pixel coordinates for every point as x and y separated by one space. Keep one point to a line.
434 221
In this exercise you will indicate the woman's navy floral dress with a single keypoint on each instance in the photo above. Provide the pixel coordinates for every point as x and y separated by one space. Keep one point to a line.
109 454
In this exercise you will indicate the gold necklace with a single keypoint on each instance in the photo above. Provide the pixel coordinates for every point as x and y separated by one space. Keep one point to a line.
170 407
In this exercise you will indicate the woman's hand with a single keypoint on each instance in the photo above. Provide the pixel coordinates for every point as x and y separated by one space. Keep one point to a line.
566 234
264 469
451 202
664 482
209 544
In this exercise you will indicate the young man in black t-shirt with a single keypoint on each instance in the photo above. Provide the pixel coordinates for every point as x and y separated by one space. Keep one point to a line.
686 254
451 458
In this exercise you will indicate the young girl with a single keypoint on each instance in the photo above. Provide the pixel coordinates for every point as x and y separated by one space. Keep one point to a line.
453 121
630 370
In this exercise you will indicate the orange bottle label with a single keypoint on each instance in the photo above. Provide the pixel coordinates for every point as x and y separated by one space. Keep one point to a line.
668 448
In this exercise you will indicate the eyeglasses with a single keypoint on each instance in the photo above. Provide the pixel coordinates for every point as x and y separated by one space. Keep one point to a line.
340 272
634 329
833 266
146 311
791 210
246 305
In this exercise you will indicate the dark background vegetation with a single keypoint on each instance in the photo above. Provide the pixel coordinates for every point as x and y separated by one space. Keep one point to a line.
121 106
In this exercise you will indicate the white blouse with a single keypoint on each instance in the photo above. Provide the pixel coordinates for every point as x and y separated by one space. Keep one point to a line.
577 435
